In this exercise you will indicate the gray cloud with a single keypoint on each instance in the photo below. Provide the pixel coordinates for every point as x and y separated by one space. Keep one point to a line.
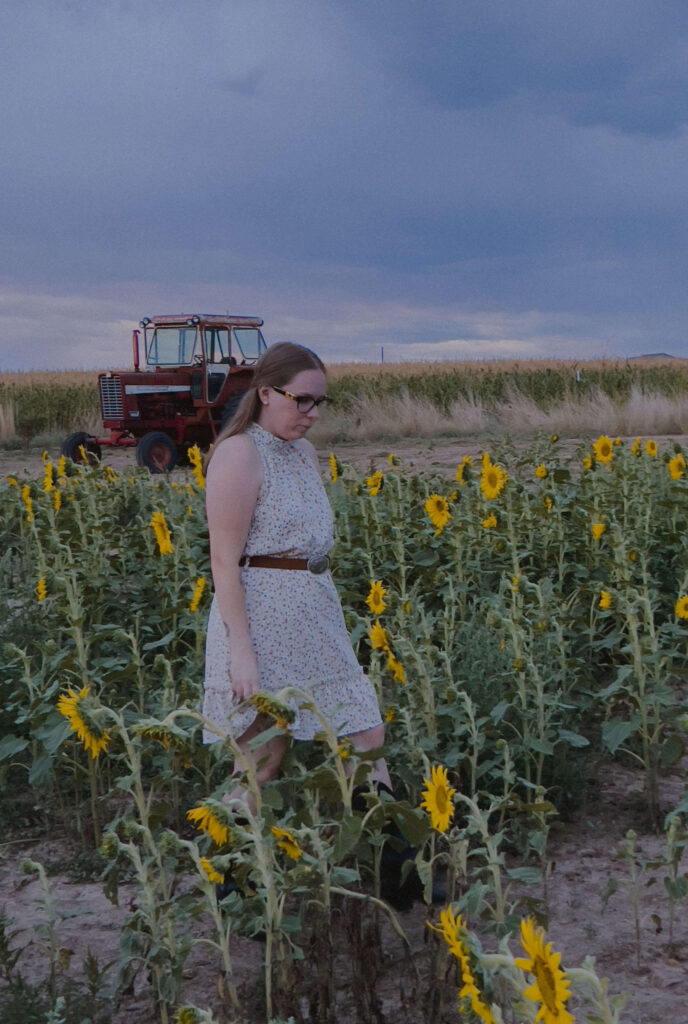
363 174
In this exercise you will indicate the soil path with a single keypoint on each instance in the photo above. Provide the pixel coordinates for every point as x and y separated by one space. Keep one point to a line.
583 855
440 455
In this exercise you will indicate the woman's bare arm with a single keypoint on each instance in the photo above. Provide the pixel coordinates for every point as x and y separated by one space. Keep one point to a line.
233 483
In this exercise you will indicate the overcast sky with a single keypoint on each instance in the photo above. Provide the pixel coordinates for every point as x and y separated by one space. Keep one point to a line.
444 178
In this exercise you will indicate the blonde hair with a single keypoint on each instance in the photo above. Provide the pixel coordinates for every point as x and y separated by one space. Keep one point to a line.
276 367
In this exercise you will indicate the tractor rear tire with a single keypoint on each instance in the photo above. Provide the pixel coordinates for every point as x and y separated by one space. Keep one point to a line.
72 445
157 452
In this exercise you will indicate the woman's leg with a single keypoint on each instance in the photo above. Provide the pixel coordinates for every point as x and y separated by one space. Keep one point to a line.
264 761
372 739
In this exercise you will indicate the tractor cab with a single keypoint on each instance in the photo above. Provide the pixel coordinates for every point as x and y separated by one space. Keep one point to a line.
190 372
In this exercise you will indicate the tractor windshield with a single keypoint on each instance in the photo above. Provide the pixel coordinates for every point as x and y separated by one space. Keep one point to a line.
172 346
249 343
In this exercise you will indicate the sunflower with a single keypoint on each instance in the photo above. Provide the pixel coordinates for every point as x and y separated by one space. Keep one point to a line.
162 533
71 705
677 467
635 447
374 483
26 498
205 819
62 468
651 448
603 449
213 876
597 529
490 522
541 471
492 478
41 590
197 594
390 714
437 799
375 599
57 499
550 987
286 842
459 475
48 477
196 460
450 929
548 503
605 600
396 668
378 638
681 607
272 708
587 461
437 511
334 469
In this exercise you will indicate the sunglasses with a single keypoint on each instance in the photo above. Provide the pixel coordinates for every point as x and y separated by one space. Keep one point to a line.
304 403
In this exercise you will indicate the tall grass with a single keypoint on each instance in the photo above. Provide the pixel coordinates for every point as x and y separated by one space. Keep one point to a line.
647 396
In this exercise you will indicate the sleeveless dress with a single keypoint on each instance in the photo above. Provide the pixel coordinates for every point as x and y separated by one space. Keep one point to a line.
295 618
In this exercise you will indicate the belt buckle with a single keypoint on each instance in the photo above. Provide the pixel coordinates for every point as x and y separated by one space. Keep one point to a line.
318 564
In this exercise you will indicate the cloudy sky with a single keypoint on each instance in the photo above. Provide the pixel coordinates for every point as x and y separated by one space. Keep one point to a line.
444 178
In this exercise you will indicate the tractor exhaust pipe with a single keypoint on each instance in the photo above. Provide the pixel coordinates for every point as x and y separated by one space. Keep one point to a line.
135 347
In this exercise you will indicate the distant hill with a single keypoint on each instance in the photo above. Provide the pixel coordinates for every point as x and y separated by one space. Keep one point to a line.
654 355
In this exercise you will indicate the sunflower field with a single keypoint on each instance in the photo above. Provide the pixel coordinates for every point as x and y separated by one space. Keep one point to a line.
520 622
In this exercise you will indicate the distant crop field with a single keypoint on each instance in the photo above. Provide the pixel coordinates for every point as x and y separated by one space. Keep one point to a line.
418 399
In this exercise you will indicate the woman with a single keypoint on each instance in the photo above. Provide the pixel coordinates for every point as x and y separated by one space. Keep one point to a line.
276 621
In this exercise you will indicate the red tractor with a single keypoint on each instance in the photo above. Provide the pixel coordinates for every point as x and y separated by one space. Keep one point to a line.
195 370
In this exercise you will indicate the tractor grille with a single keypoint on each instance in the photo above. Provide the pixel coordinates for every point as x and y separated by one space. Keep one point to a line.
111 398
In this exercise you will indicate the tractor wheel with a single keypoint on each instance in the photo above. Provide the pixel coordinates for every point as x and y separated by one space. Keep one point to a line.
231 406
157 452
73 445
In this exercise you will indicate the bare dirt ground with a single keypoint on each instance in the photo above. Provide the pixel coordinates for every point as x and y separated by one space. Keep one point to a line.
583 855
438 454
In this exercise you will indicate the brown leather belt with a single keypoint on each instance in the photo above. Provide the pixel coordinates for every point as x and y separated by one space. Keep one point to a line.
316 564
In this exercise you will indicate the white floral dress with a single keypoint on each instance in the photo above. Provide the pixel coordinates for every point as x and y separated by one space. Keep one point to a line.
295 618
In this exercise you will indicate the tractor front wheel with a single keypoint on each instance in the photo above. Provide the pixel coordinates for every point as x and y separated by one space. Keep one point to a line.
157 452
81 447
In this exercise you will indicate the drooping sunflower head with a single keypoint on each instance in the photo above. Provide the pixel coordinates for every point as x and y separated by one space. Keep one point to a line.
635 447
378 637
550 987
162 533
211 874
374 483
286 842
437 509
210 817
197 594
376 598
541 471
437 799
597 529
266 704
603 449
490 523
396 668
605 600
334 469
82 714
651 448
